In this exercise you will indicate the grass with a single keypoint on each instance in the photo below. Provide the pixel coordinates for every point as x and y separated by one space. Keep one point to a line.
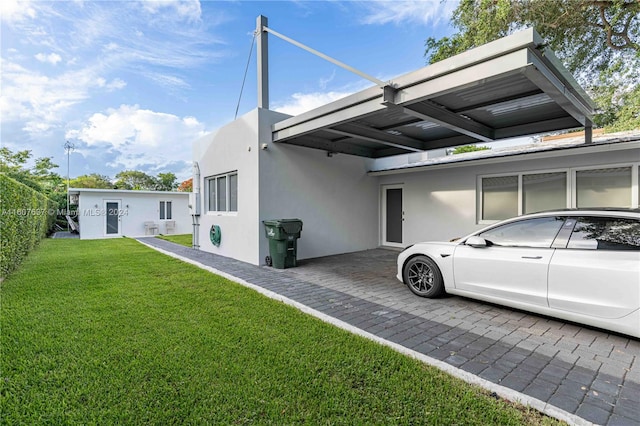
112 332
182 239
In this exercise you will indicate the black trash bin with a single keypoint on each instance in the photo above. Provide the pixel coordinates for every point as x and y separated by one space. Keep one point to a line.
283 237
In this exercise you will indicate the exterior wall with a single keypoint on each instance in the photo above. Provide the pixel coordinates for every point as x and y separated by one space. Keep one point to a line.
136 208
233 147
333 196
440 204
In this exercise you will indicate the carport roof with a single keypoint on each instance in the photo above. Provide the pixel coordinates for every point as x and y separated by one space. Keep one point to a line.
511 87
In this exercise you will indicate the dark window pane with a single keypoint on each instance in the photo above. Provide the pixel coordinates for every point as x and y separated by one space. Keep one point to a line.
394 215
602 233
112 218
168 210
221 188
538 232
212 194
162 210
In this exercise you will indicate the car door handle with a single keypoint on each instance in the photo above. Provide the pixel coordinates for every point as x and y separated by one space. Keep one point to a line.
532 257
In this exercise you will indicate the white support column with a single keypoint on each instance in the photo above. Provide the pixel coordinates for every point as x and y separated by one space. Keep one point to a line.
263 62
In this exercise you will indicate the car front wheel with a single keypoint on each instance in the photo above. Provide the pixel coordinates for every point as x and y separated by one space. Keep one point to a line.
423 277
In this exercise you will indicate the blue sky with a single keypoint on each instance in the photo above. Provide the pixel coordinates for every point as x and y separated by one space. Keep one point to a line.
132 83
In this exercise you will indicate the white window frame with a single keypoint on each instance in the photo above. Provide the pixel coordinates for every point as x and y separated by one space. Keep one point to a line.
571 185
212 180
164 213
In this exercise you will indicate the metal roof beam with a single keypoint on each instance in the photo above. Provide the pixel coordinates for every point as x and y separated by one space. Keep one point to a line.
542 77
429 111
332 146
373 135
537 127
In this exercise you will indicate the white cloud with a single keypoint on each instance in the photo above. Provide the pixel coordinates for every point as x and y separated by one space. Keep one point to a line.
415 11
140 136
52 58
116 84
303 102
40 101
183 9
14 10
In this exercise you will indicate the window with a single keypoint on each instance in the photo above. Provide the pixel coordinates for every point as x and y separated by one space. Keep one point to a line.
544 191
538 232
223 192
513 194
604 187
602 233
499 197
165 210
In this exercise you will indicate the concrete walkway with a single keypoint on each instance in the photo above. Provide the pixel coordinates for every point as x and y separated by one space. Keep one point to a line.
575 373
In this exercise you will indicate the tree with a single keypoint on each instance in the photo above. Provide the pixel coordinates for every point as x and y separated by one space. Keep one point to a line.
93 180
186 186
41 177
166 182
134 179
469 148
598 41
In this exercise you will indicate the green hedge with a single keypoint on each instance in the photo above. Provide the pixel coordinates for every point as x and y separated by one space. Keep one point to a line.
26 216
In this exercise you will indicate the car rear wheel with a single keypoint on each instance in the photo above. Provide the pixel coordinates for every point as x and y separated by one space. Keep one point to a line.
423 277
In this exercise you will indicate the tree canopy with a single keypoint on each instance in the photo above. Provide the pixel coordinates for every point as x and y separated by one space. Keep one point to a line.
597 40
137 180
93 180
186 186
40 177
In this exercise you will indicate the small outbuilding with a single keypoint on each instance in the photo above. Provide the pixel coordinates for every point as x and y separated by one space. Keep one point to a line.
110 213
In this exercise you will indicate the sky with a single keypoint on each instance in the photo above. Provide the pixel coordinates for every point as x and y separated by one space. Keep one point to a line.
131 84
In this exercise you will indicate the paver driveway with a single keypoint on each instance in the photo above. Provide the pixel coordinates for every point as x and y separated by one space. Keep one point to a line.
590 373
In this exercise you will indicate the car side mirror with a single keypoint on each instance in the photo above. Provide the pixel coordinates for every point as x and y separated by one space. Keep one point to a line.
476 242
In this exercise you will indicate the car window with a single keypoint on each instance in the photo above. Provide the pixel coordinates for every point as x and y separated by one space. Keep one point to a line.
536 232
605 233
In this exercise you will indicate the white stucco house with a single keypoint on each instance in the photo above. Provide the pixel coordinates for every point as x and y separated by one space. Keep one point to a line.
112 213
371 169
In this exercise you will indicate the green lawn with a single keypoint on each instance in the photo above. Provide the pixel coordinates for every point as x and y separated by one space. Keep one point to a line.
183 239
112 332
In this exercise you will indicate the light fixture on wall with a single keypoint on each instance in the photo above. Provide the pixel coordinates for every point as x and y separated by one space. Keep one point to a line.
330 154
96 206
127 206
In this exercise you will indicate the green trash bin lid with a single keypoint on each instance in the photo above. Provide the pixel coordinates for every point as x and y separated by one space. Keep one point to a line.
290 226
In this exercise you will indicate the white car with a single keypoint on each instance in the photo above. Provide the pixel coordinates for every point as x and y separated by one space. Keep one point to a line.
579 265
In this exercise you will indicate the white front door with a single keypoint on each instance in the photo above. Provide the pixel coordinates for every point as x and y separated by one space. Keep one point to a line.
112 218
392 216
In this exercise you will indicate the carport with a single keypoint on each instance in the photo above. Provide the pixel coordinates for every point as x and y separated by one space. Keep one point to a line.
512 87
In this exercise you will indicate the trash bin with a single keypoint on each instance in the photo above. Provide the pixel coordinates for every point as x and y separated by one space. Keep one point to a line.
283 237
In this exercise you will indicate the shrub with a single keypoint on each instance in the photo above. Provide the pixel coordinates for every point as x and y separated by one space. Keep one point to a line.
26 217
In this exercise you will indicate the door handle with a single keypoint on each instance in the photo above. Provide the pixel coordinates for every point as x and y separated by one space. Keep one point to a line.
532 257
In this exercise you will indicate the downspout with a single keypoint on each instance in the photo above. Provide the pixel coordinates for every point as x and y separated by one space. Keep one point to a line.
195 207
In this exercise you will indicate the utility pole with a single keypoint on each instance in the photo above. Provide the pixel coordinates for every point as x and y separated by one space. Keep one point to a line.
68 146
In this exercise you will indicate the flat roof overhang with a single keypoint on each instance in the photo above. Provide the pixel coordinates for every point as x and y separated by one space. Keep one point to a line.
508 88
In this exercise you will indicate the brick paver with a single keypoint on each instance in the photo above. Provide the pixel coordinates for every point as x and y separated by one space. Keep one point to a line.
590 373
